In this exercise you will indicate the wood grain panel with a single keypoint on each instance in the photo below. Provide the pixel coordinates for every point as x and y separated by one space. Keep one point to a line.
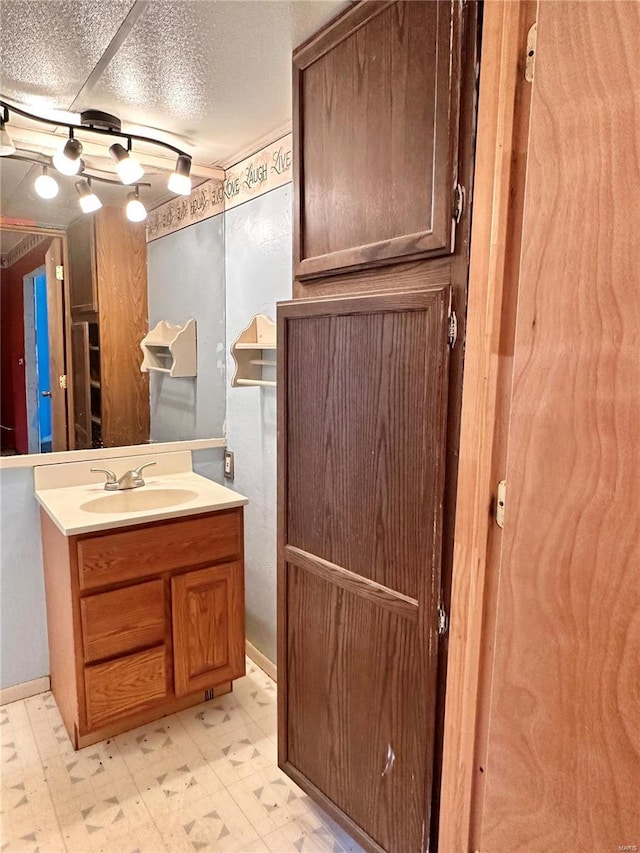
107 558
409 275
124 686
83 288
123 620
362 405
387 598
63 626
358 722
121 262
564 741
365 91
81 388
360 380
208 627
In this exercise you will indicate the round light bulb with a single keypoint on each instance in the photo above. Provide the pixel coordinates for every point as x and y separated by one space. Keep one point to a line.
89 201
136 211
67 159
180 180
46 186
128 168
180 184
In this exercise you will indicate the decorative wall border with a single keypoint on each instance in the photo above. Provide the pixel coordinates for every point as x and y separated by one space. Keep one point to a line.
266 170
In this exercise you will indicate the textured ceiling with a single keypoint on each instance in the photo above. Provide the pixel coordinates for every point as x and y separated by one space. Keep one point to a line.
50 48
216 72
213 76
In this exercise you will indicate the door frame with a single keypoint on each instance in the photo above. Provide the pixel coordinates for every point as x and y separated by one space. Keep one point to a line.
501 151
30 357
28 227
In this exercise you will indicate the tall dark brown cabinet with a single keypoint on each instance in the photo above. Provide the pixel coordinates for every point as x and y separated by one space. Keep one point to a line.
369 377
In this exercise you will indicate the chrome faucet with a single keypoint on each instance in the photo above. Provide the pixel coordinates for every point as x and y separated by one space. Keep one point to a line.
129 480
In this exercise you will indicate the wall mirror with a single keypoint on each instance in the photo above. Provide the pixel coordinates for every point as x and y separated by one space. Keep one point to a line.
79 292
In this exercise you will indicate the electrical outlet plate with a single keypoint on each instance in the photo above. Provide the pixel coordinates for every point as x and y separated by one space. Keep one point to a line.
228 464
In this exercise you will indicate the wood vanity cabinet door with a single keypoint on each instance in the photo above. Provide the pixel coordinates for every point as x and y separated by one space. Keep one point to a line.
208 627
375 137
362 403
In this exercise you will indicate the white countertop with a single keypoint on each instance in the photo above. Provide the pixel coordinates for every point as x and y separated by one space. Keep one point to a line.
63 494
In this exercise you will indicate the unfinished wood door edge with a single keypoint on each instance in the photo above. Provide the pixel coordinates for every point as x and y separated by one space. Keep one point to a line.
500 68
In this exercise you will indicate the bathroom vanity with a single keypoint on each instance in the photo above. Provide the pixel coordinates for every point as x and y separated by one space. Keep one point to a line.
145 593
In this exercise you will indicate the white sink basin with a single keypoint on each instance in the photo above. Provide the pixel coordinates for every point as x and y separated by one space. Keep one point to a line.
137 500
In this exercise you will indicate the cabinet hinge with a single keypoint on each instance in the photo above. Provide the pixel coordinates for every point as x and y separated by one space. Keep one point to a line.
501 499
453 329
62 381
458 202
530 58
443 620
60 272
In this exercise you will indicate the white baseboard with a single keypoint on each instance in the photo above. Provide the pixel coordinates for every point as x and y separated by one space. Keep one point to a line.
24 690
261 660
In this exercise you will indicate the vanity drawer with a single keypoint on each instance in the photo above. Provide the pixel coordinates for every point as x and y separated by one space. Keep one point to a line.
141 551
114 623
124 686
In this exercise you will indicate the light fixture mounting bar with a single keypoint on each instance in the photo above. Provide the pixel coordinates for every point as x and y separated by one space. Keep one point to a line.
103 130
43 160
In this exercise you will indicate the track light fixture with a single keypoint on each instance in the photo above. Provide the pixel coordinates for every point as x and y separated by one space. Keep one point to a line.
45 185
6 143
89 201
180 180
136 211
127 166
67 159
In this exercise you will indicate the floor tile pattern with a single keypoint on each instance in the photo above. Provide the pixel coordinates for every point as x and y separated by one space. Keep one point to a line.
203 779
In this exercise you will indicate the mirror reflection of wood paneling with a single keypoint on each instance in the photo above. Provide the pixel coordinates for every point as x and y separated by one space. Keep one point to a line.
108 287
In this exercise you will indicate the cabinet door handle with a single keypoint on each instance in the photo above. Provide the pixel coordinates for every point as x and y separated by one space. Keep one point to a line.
45 393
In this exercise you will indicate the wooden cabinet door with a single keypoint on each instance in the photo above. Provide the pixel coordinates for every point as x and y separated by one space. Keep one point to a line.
82 266
375 137
81 384
208 627
362 400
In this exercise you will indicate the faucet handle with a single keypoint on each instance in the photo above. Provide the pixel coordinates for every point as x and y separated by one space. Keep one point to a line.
140 468
111 477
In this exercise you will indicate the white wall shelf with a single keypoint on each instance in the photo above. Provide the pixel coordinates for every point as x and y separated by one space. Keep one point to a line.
170 349
249 353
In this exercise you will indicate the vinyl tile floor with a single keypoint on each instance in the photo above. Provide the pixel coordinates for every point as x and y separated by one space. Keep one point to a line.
203 779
